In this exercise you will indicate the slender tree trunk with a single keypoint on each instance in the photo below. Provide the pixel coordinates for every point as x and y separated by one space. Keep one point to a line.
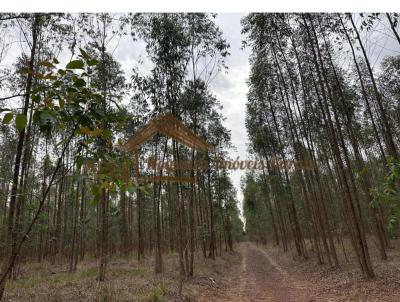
393 27
362 248
103 236
10 235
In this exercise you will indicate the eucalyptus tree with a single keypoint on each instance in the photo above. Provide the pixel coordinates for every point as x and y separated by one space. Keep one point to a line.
394 21
300 97
37 30
72 104
108 77
186 50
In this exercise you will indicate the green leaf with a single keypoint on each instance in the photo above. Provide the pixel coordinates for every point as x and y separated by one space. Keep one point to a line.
79 162
7 118
75 64
36 116
79 83
61 72
20 121
57 84
84 54
71 89
92 62
55 61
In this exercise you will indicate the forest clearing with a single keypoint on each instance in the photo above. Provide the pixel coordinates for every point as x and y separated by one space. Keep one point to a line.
199 157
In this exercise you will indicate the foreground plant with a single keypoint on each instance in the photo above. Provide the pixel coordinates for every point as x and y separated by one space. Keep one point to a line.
67 102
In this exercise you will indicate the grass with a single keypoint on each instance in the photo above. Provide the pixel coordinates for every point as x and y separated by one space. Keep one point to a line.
57 279
126 280
65 277
90 273
107 294
158 293
22 283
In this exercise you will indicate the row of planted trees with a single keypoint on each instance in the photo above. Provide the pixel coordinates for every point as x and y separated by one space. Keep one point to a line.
58 117
305 104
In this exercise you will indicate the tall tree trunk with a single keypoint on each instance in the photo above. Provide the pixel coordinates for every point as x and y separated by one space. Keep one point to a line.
10 235
103 236
361 245
393 27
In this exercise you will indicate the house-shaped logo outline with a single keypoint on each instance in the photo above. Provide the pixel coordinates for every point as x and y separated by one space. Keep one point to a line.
168 125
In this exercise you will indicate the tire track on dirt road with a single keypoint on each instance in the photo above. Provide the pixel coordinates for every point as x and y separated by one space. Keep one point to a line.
261 279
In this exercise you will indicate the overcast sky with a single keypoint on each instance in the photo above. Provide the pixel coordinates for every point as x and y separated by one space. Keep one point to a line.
231 89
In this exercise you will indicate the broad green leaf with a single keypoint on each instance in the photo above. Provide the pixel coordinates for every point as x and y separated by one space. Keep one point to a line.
92 62
71 89
79 83
84 54
57 84
36 116
7 118
20 121
79 162
75 64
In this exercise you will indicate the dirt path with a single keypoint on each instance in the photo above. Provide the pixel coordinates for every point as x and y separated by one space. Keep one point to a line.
261 279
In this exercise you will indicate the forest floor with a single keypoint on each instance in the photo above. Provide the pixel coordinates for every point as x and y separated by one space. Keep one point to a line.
127 280
260 278
252 273
268 274
327 284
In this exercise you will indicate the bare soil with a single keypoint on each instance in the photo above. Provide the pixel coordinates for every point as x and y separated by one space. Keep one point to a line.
252 273
260 278
345 284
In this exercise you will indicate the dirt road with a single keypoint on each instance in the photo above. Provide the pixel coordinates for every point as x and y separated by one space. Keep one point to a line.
261 279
